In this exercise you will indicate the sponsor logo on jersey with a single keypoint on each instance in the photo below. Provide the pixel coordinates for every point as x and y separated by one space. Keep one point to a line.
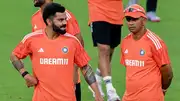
54 61
134 63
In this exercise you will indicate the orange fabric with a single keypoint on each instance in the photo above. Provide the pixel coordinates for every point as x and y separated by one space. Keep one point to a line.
37 21
53 64
79 78
142 60
135 11
72 25
106 10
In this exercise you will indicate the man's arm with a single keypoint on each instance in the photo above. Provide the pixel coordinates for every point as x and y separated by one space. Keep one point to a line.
19 66
80 38
88 74
17 63
167 75
90 78
160 55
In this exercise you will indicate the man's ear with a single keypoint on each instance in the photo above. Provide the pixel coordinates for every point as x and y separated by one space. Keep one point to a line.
49 21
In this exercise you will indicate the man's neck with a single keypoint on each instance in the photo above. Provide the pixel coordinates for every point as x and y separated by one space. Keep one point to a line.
138 35
51 34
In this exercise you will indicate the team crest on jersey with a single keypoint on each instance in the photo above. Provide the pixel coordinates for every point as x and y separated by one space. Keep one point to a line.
142 52
65 49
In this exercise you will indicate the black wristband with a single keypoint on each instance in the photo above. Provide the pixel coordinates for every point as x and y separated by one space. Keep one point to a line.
24 74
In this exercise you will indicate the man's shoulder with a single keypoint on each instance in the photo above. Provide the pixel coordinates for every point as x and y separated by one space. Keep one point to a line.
36 14
155 40
69 15
72 38
127 37
32 35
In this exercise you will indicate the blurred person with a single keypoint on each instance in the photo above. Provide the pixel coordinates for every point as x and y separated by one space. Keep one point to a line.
106 20
53 53
145 56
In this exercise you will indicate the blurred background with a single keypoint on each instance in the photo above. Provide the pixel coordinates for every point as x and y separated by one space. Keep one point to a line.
15 22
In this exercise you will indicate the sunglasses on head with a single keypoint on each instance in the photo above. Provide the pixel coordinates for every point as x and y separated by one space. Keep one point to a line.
133 10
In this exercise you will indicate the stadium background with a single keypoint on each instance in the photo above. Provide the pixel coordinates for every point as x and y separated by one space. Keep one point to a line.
15 16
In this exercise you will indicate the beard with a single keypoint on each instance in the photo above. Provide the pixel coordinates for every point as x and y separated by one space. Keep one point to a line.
38 3
58 29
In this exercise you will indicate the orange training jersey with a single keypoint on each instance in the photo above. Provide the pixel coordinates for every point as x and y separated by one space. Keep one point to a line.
106 10
143 59
52 64
72 24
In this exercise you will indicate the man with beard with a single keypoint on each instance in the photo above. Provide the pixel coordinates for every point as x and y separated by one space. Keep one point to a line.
72 28
145 56
53 53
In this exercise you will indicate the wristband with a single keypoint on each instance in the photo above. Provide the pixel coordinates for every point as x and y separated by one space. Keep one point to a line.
24 74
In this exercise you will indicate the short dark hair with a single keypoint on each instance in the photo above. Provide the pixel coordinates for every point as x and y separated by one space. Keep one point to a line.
51 9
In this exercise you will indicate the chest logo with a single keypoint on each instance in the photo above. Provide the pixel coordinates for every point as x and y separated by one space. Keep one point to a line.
35 27
41 50
142 52
126 51
65 50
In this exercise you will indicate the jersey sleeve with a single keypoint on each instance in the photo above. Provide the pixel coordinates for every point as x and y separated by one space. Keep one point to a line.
72 25
81 57
32 24
32 27
122 60
22 49
160 54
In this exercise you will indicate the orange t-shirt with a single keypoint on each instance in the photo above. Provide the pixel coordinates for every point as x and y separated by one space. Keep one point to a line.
106 10
72 25
143 59
53 64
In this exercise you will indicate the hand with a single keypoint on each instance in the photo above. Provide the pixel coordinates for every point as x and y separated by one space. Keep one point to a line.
30 80
98 97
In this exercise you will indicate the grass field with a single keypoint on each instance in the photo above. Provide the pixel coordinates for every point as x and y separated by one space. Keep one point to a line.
15 23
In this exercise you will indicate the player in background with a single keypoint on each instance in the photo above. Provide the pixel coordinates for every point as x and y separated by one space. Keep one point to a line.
72 28
106 20
53 53
145 56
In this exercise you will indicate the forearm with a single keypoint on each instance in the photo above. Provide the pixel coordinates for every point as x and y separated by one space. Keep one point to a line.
18 64
90 78
166 81
88 74
94 87
167 75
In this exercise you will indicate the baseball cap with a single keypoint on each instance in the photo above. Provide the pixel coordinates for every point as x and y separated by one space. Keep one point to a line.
135 11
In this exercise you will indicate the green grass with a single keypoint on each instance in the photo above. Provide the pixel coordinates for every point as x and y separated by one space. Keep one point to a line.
15 23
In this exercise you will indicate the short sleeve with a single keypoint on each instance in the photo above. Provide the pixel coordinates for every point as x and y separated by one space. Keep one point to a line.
32 26
22 49
122 60
72 25
160 54
81 57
